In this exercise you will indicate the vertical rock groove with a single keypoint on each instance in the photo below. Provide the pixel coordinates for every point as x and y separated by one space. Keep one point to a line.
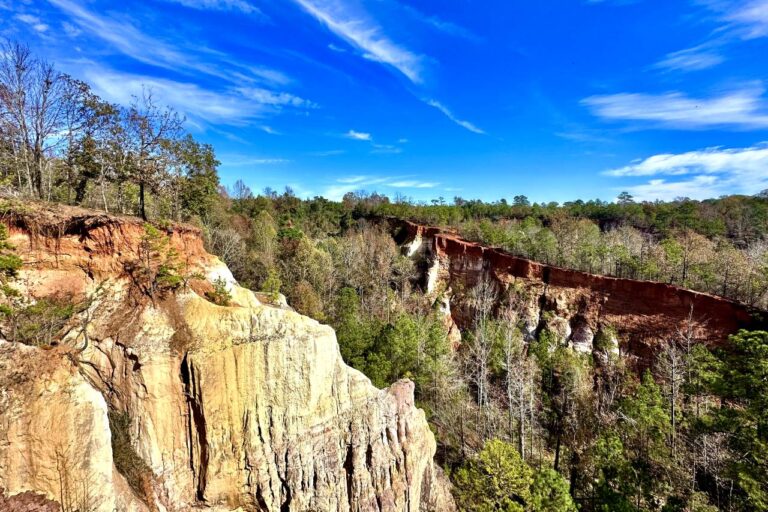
197 430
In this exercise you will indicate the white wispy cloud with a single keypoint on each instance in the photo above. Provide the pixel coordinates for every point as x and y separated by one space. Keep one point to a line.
268 129
219 5
386 149
355 179
700 174
71 30
245 91
745 108
352 134
33 21
328 152
245 160
122 35
583 134
126 38
442 25
279 99
412 184
698 187
376 148
464 124
751 16
230 106
352 183
737 20
271 76
359 30
691 59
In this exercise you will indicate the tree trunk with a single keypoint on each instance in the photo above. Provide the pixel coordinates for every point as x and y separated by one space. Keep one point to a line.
142 206
80 189
573 474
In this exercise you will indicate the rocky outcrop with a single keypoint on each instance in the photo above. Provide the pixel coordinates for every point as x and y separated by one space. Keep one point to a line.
240 407
575 306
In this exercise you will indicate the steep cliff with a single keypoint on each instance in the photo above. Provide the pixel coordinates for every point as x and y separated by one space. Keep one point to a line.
246 406
573 305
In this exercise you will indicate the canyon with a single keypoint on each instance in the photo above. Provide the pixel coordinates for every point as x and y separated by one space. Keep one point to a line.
246 406
574 306
157 400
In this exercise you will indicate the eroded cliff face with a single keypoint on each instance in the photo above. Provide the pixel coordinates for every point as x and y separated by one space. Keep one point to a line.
239 407
575 306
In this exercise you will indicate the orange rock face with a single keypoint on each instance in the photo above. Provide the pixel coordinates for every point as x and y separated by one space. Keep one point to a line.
643 313
65 242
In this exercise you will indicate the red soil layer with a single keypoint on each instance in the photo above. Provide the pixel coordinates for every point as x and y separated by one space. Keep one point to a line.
65 242
642 311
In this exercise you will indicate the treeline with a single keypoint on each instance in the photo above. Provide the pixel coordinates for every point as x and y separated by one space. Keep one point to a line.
741 219
60 142
718 246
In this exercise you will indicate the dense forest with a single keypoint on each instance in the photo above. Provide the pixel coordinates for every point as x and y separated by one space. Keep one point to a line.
522 423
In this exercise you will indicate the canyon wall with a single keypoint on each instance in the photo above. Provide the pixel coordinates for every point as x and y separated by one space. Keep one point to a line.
574 305
247 406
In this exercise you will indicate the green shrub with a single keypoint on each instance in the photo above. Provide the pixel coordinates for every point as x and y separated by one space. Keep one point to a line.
220 294
550 493
605 339
497 479
158 269
10 264
271 286
126 460
41 323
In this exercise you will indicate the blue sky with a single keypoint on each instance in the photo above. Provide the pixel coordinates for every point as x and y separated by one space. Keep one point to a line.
555 99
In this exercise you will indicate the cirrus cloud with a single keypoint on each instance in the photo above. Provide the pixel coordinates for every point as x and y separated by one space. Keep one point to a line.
750 16
691 59
447 113
220 5
361 32
744 108
228 106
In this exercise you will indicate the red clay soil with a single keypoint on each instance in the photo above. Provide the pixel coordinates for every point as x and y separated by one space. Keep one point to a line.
640 310
66 241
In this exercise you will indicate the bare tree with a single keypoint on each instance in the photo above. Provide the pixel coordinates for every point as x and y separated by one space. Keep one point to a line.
482 299
31 112
77 492
671 366
241 191
520 382
148 129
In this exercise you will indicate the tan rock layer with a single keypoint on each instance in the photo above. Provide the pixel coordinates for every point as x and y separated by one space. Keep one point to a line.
246 407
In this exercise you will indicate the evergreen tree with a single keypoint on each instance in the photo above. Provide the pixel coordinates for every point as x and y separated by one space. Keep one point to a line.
497 479
549 493
742 384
